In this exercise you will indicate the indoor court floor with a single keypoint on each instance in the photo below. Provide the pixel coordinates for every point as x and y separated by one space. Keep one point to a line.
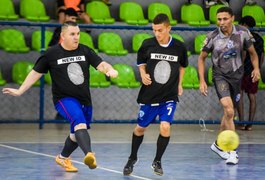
29 153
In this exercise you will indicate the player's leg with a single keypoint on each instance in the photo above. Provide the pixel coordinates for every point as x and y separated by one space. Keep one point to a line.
64 159
145 116
252 91
222 90
73 111
166 115
252 110
240 110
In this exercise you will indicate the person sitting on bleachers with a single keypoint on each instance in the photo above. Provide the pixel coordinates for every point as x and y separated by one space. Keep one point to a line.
70 15
209 3
77 5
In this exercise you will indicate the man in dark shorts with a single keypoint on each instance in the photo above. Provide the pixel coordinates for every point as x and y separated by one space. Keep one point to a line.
68 64
251 88
161 61
227 43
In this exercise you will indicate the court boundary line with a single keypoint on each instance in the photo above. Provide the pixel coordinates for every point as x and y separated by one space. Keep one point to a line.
78 162
120 142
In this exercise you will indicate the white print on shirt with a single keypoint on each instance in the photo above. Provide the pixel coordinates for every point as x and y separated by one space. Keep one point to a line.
162 72
71 59
165 57
75 73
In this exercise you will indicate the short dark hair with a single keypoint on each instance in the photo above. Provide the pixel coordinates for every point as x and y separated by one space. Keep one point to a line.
68 23
71 12
225 9
161 18
248 20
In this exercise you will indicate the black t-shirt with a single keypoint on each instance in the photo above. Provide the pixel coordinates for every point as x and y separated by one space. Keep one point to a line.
258 44
162 63
69 71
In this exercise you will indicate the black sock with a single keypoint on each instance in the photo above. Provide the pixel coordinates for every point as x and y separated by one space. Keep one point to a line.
83 140
161 146
136 142
69 147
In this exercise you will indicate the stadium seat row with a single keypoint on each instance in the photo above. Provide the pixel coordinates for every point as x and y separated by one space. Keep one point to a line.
129 12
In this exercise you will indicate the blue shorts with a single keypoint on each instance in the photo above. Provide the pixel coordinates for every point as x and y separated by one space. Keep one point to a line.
149 112
71 109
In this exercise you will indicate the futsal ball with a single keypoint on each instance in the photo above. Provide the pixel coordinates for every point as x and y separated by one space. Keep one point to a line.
228 140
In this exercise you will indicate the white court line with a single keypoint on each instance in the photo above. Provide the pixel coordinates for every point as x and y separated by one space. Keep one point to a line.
121 142
50 156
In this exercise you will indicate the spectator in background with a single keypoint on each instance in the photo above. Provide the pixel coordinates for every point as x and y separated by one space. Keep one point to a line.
77 5
70 15
247 84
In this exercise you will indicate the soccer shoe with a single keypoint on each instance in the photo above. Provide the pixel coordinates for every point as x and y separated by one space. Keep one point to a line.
66 164
90 160
157 167
128 168
233 158
224 155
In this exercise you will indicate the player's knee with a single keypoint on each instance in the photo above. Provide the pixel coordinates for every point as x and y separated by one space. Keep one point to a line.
80 126
139 131
164 128
229 112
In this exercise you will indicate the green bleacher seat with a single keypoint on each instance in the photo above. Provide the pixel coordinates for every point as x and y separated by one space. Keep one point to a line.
193 15
111 44
99 12
261 84
256 12
190 79
157 8
198 42
97 79
13 40
33 10
7 11
126 77
20 71
210 76
132 13
86 39
36 40
138 39
2 81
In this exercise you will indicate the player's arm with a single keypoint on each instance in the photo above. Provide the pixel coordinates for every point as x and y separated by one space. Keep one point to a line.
201 69
255 63
107 69
181 75
31 78
144 75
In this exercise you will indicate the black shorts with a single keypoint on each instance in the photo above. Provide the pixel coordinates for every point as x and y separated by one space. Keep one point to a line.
228 88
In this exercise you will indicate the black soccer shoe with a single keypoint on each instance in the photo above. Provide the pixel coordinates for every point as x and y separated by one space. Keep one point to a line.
128 168
157 167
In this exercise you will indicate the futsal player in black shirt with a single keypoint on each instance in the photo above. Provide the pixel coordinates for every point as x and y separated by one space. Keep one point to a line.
68 64
161 61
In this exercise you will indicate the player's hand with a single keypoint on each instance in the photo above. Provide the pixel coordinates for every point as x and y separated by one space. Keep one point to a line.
146 79
112 73
203 88
255 75
11 91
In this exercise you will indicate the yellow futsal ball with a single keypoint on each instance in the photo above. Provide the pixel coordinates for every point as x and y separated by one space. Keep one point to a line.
228 140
